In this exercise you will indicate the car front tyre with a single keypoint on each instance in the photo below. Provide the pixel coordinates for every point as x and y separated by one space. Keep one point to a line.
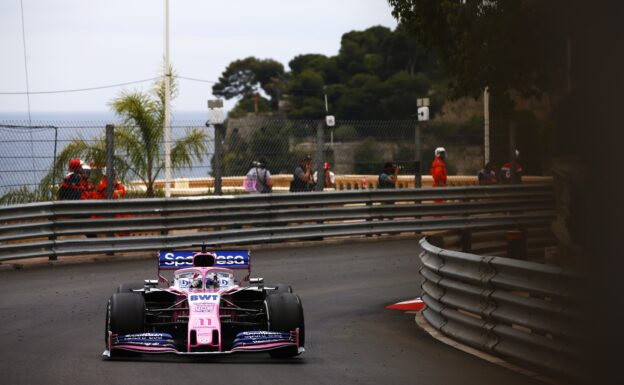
285 313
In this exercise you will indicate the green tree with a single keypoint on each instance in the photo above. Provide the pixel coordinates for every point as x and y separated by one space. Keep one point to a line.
504 44
401 93
326 66
361 100
366 157
26 195
345 133
244 78
306 95
247 105
405 53
363 52
236 158
270 142
139 141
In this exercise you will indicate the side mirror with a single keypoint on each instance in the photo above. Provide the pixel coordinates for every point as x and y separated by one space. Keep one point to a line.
149 284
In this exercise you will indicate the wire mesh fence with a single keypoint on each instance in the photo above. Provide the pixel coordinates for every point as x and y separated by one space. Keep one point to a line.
34 156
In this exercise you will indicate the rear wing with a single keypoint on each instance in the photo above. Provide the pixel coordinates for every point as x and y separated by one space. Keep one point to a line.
229 259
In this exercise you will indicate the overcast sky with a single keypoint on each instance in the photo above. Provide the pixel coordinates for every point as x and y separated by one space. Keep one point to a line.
75 44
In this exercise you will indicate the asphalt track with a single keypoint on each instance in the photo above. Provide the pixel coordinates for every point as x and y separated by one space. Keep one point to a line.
52 320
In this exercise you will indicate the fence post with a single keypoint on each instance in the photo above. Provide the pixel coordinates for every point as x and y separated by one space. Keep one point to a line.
320 143
417 155
218 163
110 156
54 163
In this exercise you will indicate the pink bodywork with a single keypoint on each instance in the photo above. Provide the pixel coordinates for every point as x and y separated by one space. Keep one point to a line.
204 311
204 315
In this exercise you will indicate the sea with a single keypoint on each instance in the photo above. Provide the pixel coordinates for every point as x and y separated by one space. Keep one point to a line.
28 147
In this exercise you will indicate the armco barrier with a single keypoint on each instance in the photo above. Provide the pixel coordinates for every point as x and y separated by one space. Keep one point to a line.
66 228
525 312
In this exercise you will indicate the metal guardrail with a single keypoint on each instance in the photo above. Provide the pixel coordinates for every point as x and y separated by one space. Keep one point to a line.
65 228
525 312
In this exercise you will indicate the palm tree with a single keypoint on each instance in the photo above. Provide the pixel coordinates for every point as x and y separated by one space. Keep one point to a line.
139 140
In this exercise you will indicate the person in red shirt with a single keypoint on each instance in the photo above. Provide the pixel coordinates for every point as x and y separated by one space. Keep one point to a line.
438 168
88 187
506 176
72 186
118 192
487 175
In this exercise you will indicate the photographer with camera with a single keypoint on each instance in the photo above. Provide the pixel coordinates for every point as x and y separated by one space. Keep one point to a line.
388 177
302 177
258 179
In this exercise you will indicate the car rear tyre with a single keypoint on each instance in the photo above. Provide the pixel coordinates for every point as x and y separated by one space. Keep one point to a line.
280 288
285 313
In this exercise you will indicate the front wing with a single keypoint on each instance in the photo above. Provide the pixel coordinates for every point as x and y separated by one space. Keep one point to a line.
249 341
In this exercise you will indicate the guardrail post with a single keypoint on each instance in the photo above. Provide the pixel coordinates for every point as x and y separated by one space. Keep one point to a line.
516 244
164 214
466 241
52 237
369 207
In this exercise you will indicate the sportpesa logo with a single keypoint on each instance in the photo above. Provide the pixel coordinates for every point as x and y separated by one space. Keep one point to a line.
181 259
230 260
173 260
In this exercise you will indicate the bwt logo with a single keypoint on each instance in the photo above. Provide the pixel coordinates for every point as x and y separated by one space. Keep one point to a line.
230 260
204 297
177 260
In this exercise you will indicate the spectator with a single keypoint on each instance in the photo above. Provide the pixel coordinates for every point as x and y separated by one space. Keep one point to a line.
258 179
72 185
88 187
330 177
487 175
388 177
506 176
302 177
438 168
118 191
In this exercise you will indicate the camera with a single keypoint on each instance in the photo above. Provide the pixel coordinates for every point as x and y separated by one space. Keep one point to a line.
397 167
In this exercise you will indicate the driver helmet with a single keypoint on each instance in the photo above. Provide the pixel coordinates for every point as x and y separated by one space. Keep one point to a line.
196 281
214 281
439 150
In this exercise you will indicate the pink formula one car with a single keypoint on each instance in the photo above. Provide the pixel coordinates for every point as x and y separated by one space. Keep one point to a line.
204 309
